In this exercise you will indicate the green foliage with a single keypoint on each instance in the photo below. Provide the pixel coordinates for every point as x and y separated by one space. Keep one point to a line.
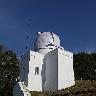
82 87
85 66
9 71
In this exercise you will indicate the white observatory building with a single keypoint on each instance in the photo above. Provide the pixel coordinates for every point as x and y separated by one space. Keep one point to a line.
48 68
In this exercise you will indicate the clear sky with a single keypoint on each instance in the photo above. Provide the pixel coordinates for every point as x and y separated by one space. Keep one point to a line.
74 21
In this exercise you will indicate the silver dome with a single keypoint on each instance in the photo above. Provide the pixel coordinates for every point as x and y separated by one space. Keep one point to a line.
46 40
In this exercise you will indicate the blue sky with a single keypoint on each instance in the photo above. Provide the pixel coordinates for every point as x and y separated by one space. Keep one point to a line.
74 21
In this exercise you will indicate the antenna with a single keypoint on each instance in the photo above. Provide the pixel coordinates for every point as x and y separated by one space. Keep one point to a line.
27 42
27 35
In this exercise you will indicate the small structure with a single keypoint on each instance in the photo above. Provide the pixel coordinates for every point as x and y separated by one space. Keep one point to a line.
48 68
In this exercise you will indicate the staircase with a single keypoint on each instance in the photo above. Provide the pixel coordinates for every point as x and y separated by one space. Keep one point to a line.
25 90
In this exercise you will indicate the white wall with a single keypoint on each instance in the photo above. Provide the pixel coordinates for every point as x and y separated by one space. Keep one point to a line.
29 61
55 70
46 50
59 72
24 68
35 81
51 75
65 69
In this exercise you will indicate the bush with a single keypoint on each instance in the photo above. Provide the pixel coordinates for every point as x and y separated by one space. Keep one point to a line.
81 88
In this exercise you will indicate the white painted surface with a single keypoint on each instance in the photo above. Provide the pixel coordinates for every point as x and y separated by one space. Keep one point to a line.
51 71
59 71
45 51
29 61
35 81
65 69
47 40
54 63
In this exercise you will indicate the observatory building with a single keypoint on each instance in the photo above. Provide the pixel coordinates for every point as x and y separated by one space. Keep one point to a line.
48 68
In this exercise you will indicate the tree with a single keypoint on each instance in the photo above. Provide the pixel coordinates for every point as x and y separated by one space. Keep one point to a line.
85 66
9 71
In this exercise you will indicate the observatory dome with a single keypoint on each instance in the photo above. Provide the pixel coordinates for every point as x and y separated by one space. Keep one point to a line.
47 40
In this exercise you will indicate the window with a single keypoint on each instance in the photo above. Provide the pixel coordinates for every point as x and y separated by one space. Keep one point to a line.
34 56
36 70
